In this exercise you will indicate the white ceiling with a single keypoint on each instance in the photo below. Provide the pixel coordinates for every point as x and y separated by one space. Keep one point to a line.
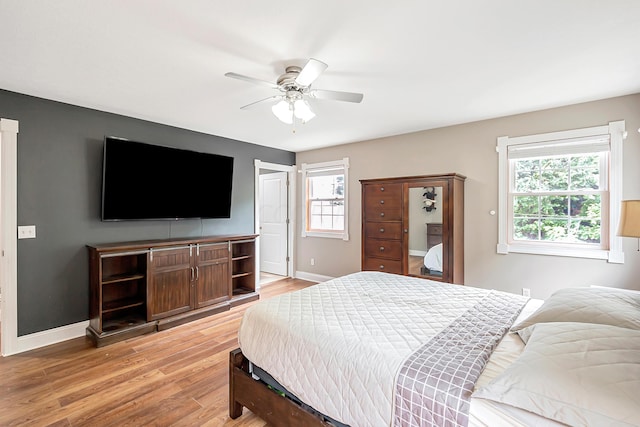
420 64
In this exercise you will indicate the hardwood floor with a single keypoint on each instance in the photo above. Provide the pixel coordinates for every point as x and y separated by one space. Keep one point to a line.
415 265
177 377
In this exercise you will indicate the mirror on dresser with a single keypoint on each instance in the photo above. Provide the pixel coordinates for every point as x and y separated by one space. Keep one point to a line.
414 226
426 247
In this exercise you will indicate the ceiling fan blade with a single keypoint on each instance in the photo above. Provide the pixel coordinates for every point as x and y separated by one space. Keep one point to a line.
252 80
336 95
311 71
253 104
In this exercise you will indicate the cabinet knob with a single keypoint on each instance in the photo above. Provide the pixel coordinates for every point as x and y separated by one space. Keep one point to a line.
381 188
382 230
406 231
382 202
381 267
381 248
381 213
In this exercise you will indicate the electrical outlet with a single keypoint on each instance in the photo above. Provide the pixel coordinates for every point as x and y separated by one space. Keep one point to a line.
26 232
313 261
526 292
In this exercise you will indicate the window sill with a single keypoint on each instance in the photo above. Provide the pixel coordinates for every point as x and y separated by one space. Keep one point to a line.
326 234
610 256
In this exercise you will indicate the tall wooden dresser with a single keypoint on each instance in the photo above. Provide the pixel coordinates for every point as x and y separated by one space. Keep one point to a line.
382 227
385 224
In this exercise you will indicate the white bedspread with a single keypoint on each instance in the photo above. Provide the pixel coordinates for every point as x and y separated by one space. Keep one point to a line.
343 365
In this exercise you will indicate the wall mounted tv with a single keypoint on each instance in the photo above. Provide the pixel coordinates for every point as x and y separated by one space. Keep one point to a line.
143 181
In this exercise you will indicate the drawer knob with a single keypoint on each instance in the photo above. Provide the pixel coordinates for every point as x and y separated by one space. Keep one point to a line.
381 213
381 267
381 188
382 202
382 230
381 248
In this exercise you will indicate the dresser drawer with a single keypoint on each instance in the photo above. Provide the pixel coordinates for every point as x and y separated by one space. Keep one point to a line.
387 190
433 239
383 209
383 214
433 228
380 264
389 249
383 230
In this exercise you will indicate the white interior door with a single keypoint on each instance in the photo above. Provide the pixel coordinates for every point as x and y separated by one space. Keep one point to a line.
273 223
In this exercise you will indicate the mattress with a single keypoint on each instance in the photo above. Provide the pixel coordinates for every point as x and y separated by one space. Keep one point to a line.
344 365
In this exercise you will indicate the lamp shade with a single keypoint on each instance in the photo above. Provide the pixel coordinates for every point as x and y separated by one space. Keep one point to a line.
302 110
630 219
283 111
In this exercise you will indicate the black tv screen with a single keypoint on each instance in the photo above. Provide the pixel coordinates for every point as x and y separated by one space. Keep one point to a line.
144 181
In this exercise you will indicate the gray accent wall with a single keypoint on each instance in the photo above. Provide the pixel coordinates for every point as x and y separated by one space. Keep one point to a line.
60 150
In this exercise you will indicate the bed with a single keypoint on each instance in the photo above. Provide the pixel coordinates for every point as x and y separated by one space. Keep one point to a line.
433 260
374 349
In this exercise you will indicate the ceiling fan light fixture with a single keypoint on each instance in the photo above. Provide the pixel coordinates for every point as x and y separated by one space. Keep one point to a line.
283 111
295 87
302 110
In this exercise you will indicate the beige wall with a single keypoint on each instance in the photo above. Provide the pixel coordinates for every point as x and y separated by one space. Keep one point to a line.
469 149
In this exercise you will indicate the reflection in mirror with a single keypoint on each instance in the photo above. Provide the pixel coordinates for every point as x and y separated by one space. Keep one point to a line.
425 231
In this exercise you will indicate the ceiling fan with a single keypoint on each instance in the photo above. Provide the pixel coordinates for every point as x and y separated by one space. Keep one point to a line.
295 87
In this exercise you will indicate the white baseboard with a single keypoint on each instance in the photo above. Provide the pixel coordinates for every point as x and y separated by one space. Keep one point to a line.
50 336
312 277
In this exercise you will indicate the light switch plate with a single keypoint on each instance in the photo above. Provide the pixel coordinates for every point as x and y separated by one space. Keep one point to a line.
26 232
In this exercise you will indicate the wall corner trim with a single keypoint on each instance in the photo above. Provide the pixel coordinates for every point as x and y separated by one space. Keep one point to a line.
8 125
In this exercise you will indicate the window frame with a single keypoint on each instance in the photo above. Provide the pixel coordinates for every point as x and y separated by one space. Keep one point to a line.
610 245
308 170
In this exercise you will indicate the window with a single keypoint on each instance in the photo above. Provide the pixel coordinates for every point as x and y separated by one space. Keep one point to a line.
326 199
560 193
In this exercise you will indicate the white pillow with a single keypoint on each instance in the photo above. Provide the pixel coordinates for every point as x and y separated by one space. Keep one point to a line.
580 374
588 305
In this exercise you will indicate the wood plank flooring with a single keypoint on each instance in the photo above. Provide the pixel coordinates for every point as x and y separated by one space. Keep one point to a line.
177 377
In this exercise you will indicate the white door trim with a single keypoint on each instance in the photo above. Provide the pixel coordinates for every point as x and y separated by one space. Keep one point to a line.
9 234
291 171
11 342
273 222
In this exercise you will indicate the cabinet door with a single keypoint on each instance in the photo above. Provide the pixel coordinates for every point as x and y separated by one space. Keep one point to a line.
212 274
170 282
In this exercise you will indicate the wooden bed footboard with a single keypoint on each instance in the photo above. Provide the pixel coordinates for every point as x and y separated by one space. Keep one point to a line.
266 403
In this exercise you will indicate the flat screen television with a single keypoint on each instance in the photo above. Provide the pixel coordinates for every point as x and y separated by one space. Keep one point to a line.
146 182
